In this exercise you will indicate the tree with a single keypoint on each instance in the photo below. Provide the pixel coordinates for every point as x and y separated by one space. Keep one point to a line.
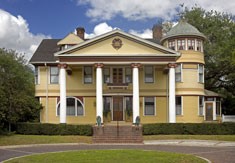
17 101
219 49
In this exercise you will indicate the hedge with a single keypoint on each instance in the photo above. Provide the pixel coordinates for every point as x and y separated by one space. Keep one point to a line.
189 129
52 129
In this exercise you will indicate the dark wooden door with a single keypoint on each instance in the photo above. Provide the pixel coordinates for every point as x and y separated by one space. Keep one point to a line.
117 75
209 111
118 108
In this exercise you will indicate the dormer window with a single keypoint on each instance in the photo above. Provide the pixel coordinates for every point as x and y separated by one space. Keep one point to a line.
181 44
199 45
191 44
171 44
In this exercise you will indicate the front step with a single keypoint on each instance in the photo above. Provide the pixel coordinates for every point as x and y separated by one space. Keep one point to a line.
117 134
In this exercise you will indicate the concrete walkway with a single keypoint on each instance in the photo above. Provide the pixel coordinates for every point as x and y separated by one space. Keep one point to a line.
201 143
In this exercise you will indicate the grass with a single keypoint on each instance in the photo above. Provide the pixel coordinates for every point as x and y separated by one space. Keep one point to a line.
45 139
107 156
42 139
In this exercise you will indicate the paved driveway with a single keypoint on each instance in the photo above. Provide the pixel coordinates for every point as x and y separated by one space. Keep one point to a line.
215 154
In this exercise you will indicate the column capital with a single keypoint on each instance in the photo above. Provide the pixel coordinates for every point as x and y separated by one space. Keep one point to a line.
172 65
135 65
62 65
99 65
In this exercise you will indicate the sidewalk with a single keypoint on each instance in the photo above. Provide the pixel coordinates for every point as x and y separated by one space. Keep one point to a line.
206 143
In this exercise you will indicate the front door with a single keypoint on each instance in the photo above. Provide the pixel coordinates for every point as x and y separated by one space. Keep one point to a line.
117 108
209 111
117 75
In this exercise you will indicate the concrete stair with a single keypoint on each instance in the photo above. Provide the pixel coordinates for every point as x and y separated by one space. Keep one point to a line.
117 134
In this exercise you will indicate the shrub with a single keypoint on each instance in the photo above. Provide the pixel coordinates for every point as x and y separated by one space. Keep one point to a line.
53 129
189 129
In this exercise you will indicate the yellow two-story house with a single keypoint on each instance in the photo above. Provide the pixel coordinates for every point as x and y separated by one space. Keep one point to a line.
119 77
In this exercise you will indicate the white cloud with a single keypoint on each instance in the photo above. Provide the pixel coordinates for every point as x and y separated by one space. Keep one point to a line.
147 33
143 9
102 28
15 34
99 29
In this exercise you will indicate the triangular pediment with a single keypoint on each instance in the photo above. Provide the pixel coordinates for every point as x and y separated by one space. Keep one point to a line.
70 39
116 43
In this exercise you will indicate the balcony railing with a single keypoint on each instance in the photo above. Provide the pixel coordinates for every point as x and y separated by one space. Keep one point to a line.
117 85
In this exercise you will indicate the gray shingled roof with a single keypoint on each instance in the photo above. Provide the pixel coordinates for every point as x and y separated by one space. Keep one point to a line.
45 51
211 93
183 29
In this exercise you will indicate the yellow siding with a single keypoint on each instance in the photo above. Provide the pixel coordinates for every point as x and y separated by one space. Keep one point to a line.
190 66
191 56
70 39
190 111
160 110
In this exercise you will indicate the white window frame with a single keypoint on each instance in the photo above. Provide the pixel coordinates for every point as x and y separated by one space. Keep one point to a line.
153 74
109 75
198 70
182 110
50 74
92 74
130 75
181 73
76 99
155 110
37 82
203 107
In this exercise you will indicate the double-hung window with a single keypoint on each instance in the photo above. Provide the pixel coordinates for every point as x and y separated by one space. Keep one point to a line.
178 71
54 75
36 75
200 73
107 75
191 44
149 74
181 44
199 45
171 44
149 106
128 75
87 74
178 103
201 105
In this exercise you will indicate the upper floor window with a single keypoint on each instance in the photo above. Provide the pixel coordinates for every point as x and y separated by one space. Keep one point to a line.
199 45
74 107
107 75
171 44
149 106
87 74
149 74
181 44
200 73
191 44
178 103
54 75
36 75
128 75
178 71
201 105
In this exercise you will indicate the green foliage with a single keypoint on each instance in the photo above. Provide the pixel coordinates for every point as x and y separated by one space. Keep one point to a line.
53 129
189 129
219 49
17 101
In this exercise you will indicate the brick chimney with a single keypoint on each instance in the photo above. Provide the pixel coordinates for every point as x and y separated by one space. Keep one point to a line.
157 31
80 32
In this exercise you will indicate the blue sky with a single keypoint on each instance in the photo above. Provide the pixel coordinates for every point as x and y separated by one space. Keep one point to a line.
24 23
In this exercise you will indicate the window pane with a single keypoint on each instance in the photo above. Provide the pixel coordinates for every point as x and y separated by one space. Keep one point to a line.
178 105
70 106
87 70
149 106
149 74
54 79
178 77
201 104
87 74
54 71
54 75
80 110
217 107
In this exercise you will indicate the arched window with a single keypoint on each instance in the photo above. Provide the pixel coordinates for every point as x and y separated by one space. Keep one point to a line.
74 107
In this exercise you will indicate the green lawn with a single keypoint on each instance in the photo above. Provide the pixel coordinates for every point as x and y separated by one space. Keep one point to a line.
44 139
107 156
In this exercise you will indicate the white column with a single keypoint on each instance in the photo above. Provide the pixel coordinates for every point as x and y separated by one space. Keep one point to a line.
136 98
172 111
63 93
99 91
